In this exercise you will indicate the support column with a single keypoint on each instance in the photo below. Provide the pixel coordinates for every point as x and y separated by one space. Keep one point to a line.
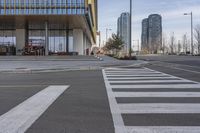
84 44
89 45
46 39
67 41
78 41
20 40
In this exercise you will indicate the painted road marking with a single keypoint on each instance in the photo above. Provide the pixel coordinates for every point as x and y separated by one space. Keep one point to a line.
133 72
152 81
162 129
126 69
148 76
171 86
135 75
116 114
21 86
156 94
21 117
160 108
129 78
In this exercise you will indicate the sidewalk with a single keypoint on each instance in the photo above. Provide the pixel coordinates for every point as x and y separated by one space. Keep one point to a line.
59 63
48 58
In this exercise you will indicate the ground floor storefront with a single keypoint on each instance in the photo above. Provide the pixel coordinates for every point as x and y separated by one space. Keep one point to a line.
43 38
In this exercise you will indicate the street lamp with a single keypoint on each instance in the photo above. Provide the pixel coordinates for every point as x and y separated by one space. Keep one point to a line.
107 33
130 30
192 44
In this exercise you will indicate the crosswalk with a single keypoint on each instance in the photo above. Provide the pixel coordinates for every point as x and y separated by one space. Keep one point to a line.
147 101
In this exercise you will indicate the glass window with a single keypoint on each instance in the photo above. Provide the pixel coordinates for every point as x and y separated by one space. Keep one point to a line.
42 7
2 7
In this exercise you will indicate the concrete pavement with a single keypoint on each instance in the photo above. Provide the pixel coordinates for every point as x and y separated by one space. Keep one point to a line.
46 64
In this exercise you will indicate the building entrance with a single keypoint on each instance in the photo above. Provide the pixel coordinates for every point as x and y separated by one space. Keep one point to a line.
7 42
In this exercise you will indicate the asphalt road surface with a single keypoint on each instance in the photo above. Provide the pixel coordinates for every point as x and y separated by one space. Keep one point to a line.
82 108
183 66
143 100
162 97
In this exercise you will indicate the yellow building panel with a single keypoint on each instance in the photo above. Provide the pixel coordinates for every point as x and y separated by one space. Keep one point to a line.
93 10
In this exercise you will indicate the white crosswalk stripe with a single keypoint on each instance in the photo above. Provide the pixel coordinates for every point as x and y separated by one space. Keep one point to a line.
21 117
152 81
144 78
161 129
156 94
160 108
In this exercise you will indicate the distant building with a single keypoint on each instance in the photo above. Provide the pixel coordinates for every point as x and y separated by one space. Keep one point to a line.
123 27
152 33
119 26
144 38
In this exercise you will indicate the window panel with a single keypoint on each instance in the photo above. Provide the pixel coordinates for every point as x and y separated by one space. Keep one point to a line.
27 7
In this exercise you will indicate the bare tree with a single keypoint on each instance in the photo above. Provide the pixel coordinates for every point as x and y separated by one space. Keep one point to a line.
179 46
164 43
197 37
172 43
185 43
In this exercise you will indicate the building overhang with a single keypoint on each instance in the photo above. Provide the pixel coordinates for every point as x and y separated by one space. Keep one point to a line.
71 21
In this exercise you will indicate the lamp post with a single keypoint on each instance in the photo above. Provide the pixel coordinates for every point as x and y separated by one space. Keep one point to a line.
192 44
107 33
130 30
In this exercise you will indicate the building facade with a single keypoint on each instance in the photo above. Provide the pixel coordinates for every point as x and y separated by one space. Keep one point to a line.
123 30
144 38
56 25
152 33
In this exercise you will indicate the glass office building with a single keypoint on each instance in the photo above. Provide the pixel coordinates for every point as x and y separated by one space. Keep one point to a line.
123 30
57 25
152 34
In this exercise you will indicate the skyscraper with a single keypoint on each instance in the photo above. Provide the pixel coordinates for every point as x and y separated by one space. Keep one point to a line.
123 27
68 23
152 33
144 38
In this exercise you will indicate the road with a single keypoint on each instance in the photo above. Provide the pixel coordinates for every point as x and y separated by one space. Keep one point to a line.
161 97
183 66
82 108
149 101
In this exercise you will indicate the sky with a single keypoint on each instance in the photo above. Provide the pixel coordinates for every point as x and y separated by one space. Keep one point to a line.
171 11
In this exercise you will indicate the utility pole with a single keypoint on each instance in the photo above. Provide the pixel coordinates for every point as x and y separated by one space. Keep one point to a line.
192 40
130 31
